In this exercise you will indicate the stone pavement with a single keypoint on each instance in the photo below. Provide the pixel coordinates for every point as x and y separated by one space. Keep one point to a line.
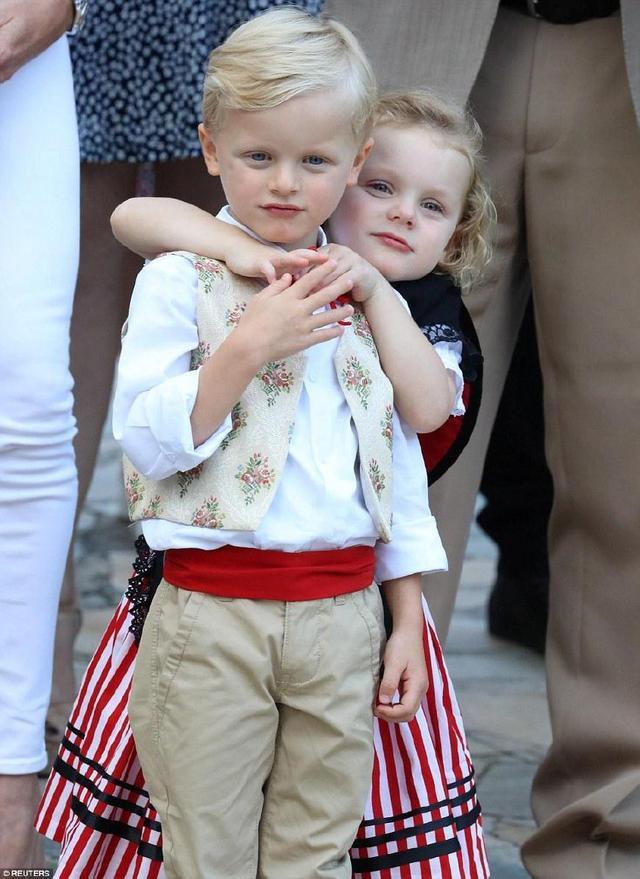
500 688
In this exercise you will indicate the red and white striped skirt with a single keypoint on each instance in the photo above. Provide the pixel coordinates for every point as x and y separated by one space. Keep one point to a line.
422 818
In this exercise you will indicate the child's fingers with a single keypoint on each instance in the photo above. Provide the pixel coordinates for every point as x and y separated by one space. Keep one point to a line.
267 271
324 335
389 682
278 285
326 294
343 266
311 257
312 279
333 316
293 260
412 688
397 713
404 709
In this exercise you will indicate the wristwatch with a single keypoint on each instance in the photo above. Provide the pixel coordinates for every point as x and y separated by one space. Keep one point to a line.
80 13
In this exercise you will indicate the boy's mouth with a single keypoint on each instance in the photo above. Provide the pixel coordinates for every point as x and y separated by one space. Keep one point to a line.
393 241
281 210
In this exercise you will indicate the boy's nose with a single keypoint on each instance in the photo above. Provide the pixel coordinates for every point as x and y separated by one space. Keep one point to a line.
283 181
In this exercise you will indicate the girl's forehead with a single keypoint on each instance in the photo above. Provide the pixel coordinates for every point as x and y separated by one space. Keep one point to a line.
391 140
418 155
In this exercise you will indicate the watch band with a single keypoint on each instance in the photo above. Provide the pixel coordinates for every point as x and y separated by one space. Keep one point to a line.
80 14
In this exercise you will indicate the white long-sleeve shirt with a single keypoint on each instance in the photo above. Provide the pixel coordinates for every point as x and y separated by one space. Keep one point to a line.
318 503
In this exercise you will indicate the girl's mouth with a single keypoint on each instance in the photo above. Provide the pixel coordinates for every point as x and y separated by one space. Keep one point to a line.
393 241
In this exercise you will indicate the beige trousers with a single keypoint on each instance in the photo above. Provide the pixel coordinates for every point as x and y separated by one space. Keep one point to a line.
253 723
563 152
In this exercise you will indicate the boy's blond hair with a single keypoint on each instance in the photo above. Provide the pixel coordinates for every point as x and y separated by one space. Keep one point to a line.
469 250
282 54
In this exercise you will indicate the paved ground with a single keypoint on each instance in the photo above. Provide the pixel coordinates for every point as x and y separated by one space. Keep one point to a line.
500 688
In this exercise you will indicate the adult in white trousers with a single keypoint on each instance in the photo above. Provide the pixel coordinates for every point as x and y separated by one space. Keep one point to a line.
39 205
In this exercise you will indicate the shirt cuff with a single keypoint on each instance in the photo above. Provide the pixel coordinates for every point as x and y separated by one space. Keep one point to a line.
158 439
416 549
451 355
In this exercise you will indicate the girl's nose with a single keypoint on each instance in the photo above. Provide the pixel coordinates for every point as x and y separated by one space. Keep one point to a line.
402 212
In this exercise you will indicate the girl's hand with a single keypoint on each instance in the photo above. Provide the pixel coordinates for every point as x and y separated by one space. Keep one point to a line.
256 260
27 28
405 673
367 281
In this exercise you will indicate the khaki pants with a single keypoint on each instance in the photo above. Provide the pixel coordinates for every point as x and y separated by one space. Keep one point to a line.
253 723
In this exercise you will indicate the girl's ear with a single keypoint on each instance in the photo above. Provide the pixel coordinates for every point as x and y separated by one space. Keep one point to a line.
209 151
358 162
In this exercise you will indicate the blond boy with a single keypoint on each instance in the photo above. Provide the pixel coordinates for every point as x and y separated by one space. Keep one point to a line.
267 476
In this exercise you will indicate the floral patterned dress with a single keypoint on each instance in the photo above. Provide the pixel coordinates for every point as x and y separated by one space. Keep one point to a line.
138 71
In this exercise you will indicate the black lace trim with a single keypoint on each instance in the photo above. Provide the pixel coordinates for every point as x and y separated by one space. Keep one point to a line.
471 359
442 333
147 573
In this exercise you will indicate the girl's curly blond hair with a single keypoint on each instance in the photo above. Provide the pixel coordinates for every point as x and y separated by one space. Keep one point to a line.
469 250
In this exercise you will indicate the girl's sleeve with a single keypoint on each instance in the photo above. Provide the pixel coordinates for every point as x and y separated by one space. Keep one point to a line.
448 347
156 387
436 305
415 545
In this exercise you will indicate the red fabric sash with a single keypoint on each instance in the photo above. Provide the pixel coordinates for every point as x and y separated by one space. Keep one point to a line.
236 572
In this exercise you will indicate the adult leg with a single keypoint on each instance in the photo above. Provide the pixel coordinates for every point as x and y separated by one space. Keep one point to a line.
105 280
517 487
497 304
582 195
39 242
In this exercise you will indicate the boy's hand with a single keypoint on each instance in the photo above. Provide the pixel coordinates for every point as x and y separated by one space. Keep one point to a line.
404 672
257 260
367 281
279 321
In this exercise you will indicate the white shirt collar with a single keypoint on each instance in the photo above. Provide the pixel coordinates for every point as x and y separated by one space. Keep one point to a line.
226 215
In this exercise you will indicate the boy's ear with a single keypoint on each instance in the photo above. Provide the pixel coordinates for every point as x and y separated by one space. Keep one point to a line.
209 151
358 162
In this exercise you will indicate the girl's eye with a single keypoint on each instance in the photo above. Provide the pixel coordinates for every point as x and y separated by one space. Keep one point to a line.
314 160
433 206
258 157
379 186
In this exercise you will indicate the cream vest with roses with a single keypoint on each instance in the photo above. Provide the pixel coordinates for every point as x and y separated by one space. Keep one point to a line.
235 486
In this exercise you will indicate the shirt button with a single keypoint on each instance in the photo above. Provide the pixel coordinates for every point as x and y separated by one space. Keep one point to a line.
311 376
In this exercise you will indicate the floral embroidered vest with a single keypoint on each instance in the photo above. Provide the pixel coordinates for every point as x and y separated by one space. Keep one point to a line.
235 486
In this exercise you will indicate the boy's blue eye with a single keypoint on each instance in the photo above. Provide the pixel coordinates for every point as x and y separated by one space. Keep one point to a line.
258 157
314 160
432 206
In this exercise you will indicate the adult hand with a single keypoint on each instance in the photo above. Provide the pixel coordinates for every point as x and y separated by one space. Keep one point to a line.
27 28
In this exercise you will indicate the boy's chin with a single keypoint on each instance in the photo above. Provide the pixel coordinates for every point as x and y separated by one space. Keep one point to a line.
286 235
